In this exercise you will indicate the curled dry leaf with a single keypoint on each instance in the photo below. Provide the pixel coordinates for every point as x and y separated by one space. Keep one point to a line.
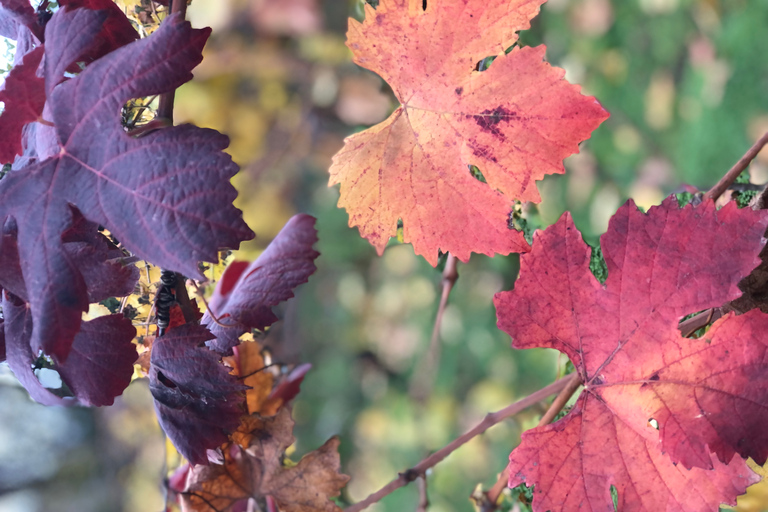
253 468
516 122
654 403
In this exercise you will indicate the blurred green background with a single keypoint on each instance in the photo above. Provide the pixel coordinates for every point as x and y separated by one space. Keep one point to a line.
686 83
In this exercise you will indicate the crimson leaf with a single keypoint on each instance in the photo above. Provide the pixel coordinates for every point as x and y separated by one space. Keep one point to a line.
24 97
245 295
198 402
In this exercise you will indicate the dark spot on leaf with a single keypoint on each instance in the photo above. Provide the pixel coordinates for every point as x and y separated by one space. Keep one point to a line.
655 376
489 119
459 90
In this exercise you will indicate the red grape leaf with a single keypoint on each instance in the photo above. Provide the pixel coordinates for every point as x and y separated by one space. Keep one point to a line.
100 366
245 295
197 401
170 185
515 121
574 462
624 342
253 467
24 97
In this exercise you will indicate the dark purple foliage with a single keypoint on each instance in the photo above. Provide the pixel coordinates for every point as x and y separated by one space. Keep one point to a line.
99 368
24 96
166 195
197 401
244 296
14 13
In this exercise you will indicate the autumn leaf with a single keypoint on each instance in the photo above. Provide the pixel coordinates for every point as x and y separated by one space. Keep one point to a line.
248 365
122 183
198 402
253 468
245 294
516 122
23 95
703 395
99 367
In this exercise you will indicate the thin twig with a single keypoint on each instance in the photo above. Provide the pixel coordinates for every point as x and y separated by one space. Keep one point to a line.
424 376
423 497
492 496
699 320
737 169
490 420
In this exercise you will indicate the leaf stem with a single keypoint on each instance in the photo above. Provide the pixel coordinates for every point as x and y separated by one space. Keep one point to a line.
737 169
490 420
490 504
424 376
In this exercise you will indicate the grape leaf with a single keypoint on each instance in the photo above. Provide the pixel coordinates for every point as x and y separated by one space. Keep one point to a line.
704 395
172 184
19 12
102 28
253 467
106 270
516 122
24 96
244 297
101 362
196 399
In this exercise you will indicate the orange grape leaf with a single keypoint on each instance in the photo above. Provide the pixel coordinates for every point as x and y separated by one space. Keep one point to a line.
516 122
253 467
654 403
248 364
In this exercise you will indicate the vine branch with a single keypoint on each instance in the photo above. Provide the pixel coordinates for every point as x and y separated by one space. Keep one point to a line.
737 169
491 498
490 420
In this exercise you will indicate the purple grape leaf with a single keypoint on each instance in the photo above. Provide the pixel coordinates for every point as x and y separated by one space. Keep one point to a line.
198 402
102 28
19 12
247 304
106 270
24 98
116 30
166 195
100 366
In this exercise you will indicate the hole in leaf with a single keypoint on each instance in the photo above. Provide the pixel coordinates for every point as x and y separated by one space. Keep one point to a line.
485 63
49 378
697 324
597 264
655 424
138 113
400 231
424 5
615 498
475 172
